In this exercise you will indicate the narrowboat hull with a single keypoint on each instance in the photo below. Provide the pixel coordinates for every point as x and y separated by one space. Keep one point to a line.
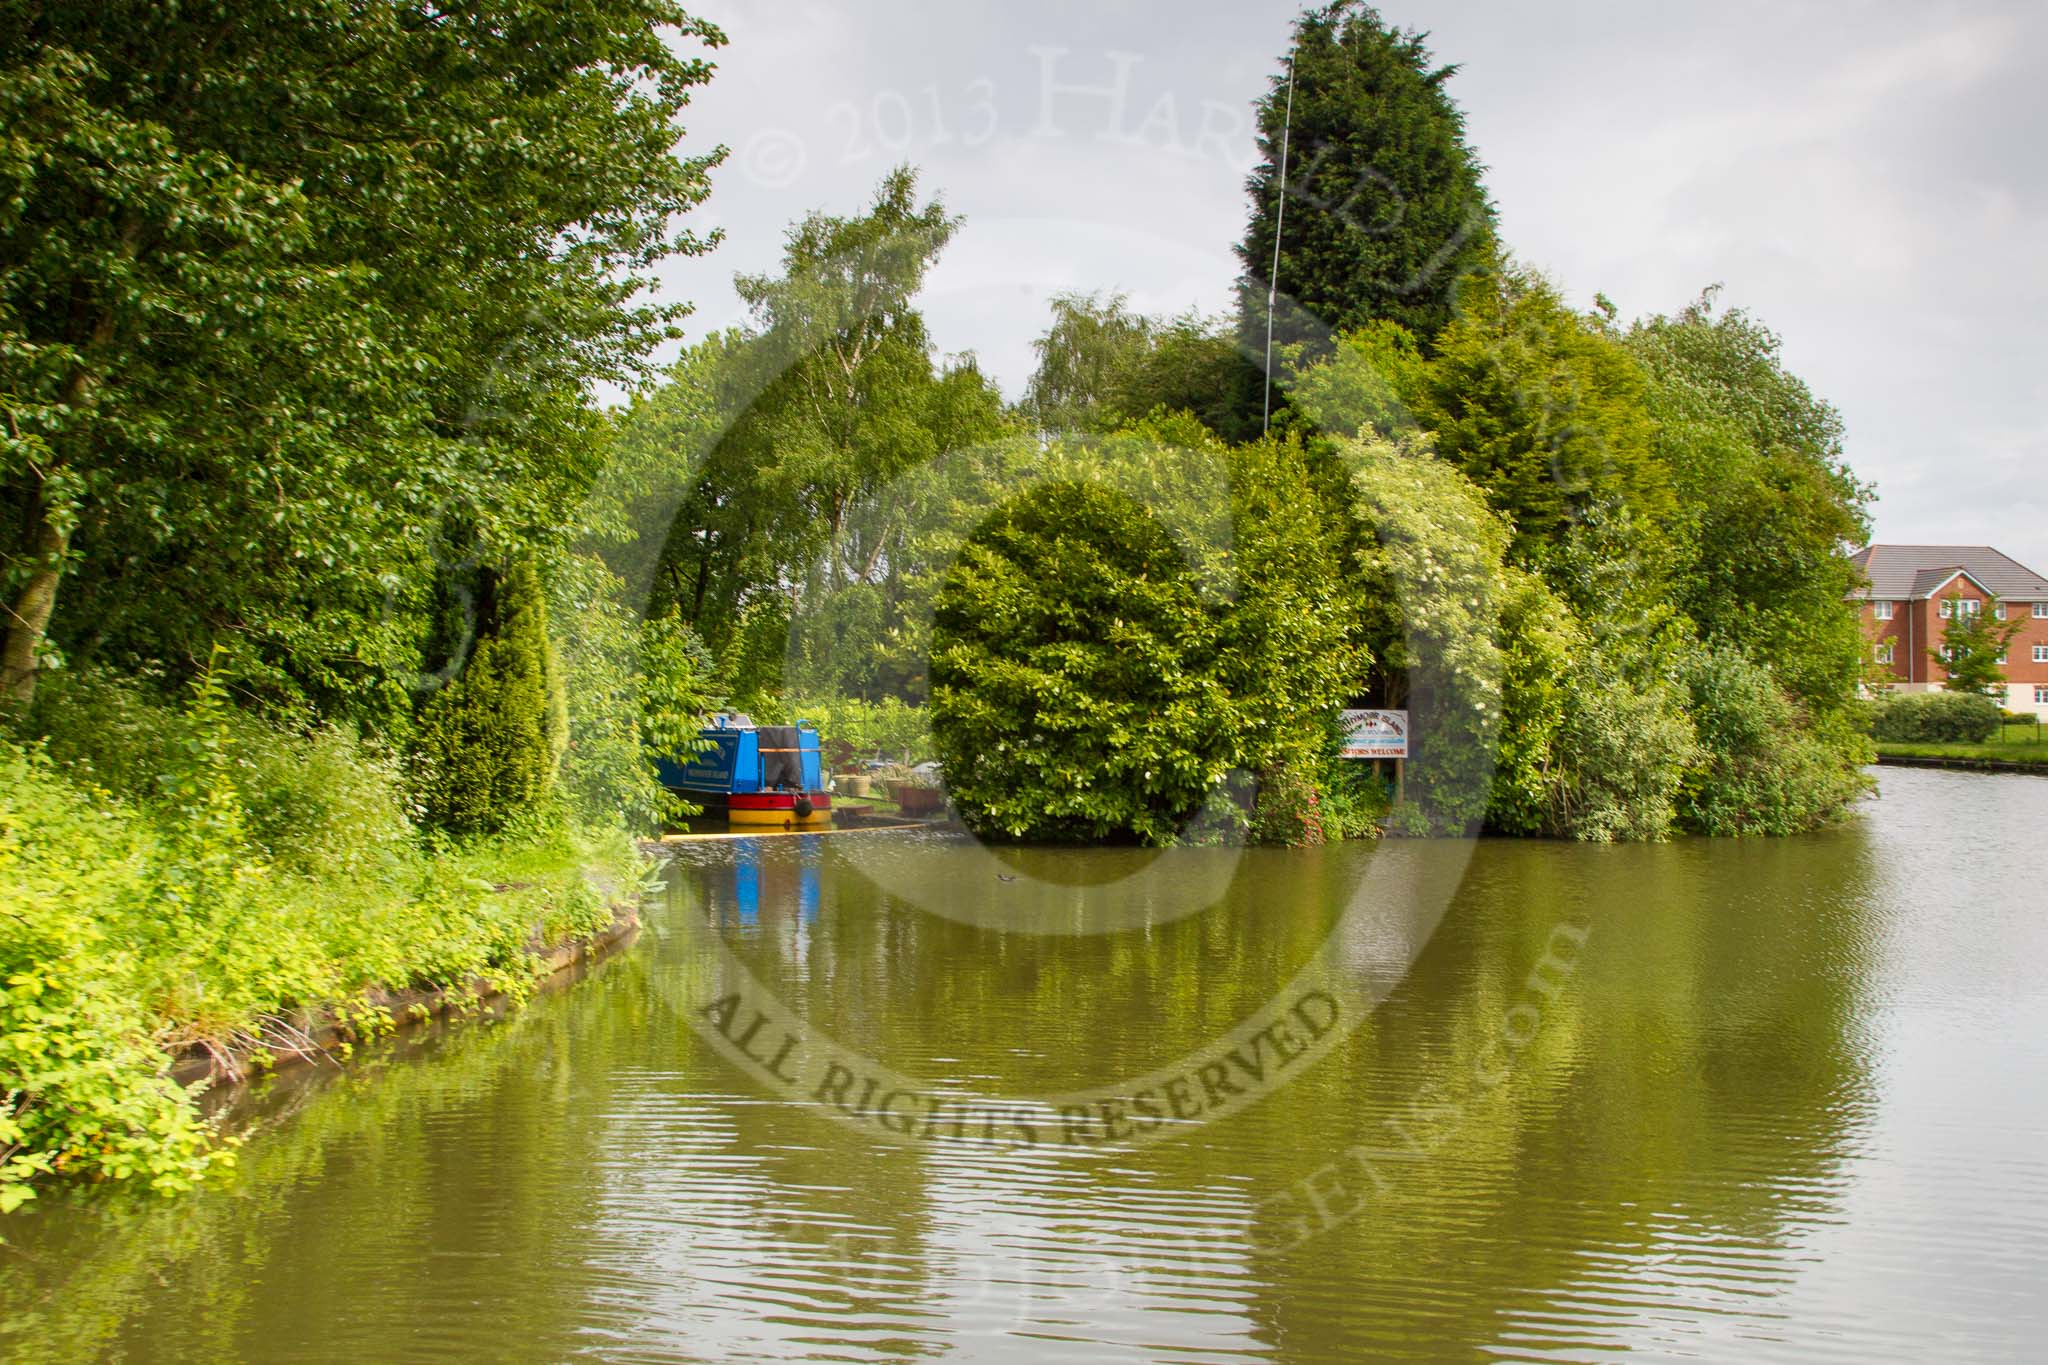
779 810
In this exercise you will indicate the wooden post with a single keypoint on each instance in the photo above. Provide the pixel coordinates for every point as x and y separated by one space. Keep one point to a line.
1400 780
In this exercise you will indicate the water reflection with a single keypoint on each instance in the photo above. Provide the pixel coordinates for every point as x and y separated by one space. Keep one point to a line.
1692 1138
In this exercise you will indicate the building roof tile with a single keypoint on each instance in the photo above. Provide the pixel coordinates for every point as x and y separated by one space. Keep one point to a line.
1909 572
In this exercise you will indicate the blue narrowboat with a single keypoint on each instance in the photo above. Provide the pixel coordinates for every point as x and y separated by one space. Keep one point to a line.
769 776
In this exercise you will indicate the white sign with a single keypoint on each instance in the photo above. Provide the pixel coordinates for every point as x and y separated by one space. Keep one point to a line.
1374 734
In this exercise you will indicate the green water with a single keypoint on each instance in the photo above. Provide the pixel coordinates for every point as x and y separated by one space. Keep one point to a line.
1735 1100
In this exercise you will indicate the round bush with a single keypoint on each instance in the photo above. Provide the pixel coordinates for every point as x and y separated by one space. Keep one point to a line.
1936 718
1075 688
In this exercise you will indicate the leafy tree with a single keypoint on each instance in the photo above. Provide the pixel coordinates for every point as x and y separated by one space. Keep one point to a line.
1972 643
1763 767
1765 502
490 742
1541 409
809 460
846 386
1094 343
1075 688
281 287
1385 213
1272 648
641 689
1102 368
1292 647
1194 366
1545 412
1429 575
1539 639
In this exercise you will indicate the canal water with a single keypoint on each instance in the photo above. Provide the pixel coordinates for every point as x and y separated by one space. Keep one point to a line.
1736 1100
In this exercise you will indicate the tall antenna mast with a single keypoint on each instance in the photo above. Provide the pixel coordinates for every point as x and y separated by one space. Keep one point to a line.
1279 224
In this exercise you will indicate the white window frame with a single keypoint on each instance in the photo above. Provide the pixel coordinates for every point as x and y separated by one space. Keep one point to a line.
2041 654
1999 611
1883 653
1948 608
2001 658
2041 694
2041 611
1881 610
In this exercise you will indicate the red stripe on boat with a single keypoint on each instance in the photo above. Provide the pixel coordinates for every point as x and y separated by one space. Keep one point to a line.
776 801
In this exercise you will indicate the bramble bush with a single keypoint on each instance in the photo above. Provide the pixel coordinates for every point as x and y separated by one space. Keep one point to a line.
312 799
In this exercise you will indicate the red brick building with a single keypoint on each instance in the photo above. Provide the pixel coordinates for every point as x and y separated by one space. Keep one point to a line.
1914 590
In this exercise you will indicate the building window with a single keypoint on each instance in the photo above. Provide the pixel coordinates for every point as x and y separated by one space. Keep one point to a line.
1948 608
2040 694
1948 654
2041 654
1999 611
2001 656
1881 610
2041 611
1884 651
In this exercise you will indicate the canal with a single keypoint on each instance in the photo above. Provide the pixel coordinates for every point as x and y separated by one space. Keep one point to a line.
1747 1100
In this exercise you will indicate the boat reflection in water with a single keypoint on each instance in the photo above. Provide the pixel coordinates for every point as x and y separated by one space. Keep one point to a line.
779 883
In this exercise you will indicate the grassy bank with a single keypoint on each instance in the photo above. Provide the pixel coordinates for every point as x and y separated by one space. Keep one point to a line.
175 882
2014 745
2001 755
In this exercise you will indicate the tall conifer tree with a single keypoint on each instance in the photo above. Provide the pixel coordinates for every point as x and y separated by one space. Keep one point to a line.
1385 210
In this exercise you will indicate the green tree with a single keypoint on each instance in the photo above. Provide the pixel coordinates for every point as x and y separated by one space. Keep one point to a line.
1765 501
1545 412
1194 366
1385 213
1428 580
641 689
821 421
490 741
841 378
1093 344
1763 768
282 287
1972 645
1075 686
1102 367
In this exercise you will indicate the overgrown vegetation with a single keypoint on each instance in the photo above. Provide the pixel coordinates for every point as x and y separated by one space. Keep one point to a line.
190 879
323 669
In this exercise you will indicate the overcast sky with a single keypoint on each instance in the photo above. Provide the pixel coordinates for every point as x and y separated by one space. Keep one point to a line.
1867 178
